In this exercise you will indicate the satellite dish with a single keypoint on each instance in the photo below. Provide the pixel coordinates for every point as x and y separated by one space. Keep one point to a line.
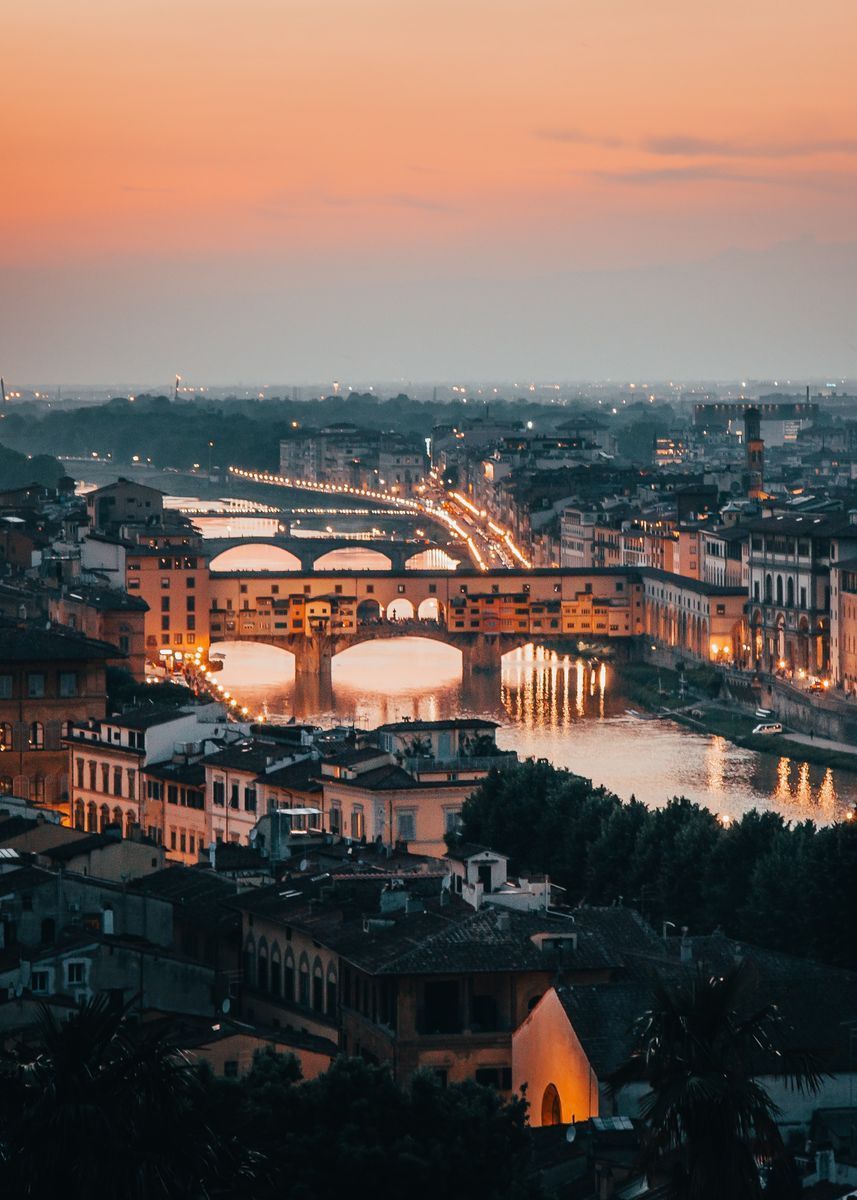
303 865
225 1006
571 1134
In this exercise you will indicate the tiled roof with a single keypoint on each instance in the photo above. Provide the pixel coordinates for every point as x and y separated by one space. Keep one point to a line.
300 776
28 644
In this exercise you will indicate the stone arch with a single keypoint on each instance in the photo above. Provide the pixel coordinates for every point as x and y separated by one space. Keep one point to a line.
318 985
303 982
353 558
250 960
369 611
433 559
551 1106
248 555
400 609
430 609
276 970
331 989
262 965
289 977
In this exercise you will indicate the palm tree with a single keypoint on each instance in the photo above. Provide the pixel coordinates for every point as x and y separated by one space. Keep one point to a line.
103 1109
701 1048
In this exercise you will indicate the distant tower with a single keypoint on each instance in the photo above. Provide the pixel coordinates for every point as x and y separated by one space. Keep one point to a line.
755 451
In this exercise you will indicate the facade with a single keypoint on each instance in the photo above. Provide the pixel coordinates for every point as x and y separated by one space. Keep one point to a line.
47 681
174 583
108 759
107 615
790 589
701 620
118 503
843 625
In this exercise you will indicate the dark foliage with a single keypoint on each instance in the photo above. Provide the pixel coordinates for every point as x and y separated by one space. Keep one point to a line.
788 887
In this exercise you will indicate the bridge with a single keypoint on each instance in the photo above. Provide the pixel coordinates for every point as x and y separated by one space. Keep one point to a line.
308 551
319 614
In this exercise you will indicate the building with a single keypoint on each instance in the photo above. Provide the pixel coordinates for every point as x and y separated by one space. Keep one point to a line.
696 619
121 502
174 583
843 625
108 615
575 1037
790 588
48 680
109 758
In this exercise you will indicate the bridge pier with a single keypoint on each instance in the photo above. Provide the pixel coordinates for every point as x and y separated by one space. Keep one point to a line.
313 658
481 655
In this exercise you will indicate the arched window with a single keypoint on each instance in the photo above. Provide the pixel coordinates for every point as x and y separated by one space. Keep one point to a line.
5 785
769 589
36 736
117 817
276 970
250 961
105 817
37 789
5 736
318 986
551 1107
303 982
779 589
289 978
331 998
79 815
262 966
92 817
790 592
129 822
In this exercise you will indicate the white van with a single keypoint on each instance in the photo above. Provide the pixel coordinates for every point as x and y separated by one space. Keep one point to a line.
769 727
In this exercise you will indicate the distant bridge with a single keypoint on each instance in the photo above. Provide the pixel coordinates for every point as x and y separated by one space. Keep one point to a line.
310 550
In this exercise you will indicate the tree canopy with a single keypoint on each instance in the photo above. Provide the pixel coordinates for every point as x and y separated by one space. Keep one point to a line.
790 887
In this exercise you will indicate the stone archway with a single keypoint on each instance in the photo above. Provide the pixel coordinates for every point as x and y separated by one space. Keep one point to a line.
400 609
430 609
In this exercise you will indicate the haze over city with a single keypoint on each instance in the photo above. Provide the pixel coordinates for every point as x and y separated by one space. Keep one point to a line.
428 190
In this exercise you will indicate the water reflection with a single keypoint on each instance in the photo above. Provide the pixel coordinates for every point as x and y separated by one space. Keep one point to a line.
569 710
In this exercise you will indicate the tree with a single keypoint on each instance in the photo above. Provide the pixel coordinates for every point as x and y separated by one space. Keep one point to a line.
103 1109
701 1048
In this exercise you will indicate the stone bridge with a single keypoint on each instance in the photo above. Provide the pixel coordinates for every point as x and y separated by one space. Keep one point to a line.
308 550
481 653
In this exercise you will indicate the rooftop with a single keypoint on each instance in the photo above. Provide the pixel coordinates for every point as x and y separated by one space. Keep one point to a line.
25 643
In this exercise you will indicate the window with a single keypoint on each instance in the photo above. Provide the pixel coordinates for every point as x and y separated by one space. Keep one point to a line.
35 685
219 792
191 604
117 781
78 763
172 793
249 799
92 769
36 736
132 779
165 626
40 981
105 777
190 581
496 1077
165 604
5 736
452 820
75 972
335 819
406 825
5 687
357 823
233 796
230 1068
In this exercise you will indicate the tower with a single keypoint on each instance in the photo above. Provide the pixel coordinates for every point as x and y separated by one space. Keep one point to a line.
755 451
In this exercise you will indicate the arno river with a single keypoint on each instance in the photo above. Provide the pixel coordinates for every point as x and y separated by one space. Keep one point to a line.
558 708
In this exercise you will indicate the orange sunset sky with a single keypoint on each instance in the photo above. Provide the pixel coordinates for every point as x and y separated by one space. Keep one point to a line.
374 189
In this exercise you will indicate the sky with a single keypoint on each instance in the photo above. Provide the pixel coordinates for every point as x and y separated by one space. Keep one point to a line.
296 190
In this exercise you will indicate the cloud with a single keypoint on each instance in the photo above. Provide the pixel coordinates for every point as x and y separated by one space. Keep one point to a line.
688 146
580 137
724 174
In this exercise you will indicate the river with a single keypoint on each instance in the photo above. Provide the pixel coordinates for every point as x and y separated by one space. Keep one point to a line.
547 706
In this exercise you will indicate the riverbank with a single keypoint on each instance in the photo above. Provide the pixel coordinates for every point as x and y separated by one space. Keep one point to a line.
659 690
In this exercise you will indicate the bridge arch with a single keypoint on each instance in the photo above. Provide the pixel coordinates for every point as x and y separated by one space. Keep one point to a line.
255 556
353 558
369 611
400 609
430 609
435 558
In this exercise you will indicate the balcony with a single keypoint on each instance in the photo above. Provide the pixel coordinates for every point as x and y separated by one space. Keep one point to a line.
418 766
